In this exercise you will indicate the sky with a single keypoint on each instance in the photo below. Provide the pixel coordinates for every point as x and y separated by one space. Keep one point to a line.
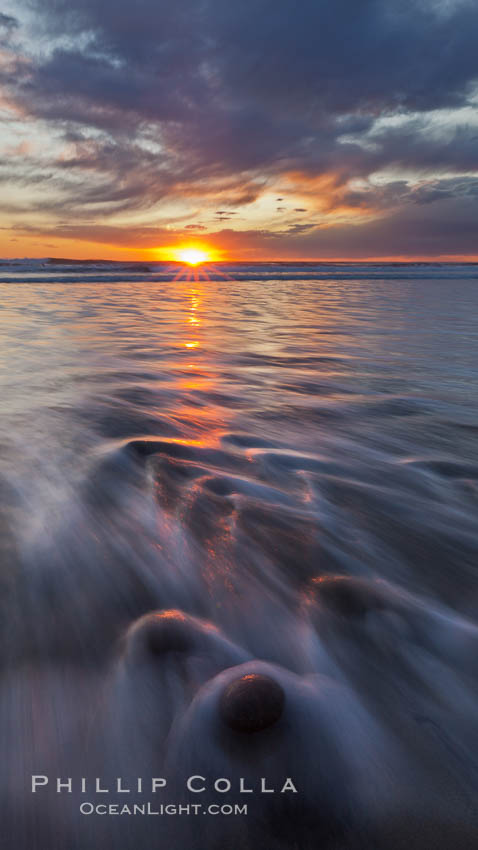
261 129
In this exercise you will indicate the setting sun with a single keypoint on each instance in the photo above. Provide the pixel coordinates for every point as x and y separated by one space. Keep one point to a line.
189 253
192 256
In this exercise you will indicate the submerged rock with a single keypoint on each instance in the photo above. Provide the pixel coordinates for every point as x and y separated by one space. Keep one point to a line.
252 703
349 597
161 632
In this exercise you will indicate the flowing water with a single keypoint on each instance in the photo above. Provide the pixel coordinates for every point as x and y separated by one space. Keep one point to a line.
286 456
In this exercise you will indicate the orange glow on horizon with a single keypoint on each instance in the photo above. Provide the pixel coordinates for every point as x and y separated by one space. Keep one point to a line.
245 251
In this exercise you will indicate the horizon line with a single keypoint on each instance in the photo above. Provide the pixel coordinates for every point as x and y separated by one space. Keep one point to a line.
442 258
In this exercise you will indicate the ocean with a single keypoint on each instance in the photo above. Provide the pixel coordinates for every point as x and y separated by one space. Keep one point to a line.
283 459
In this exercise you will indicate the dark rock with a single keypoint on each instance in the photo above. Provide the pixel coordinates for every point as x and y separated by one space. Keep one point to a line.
252 703
347 596
159 633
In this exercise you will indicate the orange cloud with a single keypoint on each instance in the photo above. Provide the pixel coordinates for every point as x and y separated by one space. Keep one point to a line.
327 195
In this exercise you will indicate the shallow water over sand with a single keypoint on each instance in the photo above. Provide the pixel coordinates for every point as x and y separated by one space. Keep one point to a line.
217 447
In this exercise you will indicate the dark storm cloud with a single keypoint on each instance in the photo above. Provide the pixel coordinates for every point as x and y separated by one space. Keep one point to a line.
7 22
8 25
229 62
400 194
330 56
244 92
